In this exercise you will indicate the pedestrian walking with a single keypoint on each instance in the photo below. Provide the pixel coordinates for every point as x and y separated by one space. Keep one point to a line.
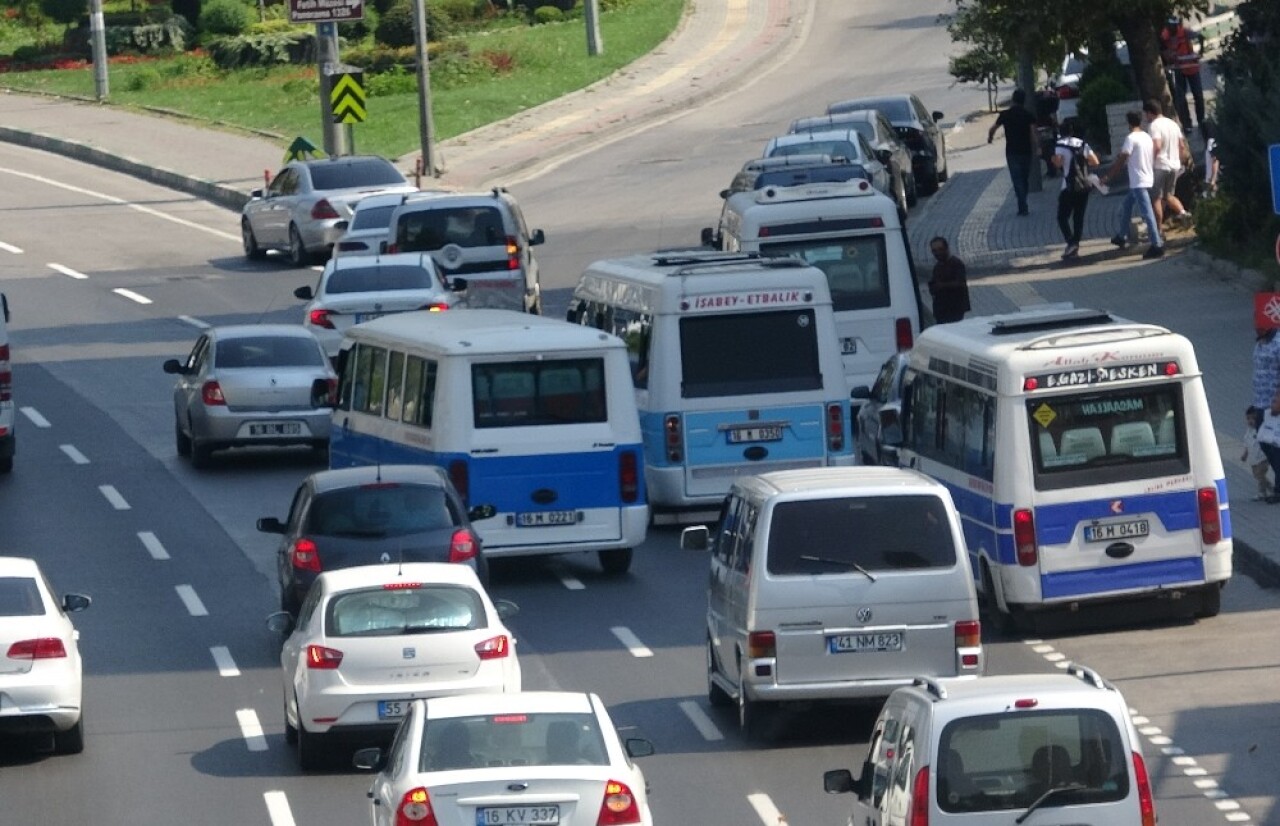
1019 145
1254 457
1074 157
1179 53
1266 366
1269 439
1137 156
949 286
1169 148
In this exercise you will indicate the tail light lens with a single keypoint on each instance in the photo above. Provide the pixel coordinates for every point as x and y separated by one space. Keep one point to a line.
305 556
42 648
6 374
1024 537
920 799
835 428
462 546
494 648
323 659
619 805
674 437
1067 92
434 308
968 635
461 478
903 335
513 253
629 476
393 248
211 394
1210 516
762 644
1146 803
333 390
415 809
323 210
320 318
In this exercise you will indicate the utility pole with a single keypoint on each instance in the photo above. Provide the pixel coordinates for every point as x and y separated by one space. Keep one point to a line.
98 35
431 164
595 45
327 63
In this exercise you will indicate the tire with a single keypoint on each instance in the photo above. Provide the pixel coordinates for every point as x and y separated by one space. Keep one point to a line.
290 731
6 464
999 620
717 696
900 198
181 441
930 182
70 741
201 454
1210 601
913 193
754 718
298 255
616 562
311 753
252 251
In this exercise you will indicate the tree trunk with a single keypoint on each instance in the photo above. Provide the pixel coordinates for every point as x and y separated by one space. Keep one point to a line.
1144 58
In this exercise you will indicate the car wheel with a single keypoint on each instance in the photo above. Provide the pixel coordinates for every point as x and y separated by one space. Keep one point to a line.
290 731
1210 601
6 464
946 170
70 741
201 454
311 753
913 193
754 717
298 255
251 249
181 440
616 562
929 181
716 695
999 620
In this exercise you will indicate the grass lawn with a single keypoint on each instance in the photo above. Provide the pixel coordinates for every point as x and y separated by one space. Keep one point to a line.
546 62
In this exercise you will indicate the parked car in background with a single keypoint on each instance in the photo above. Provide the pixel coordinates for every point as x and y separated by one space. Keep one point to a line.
1066 83
794 170
848 144
300 210
879 132
368 227
919 130
879 424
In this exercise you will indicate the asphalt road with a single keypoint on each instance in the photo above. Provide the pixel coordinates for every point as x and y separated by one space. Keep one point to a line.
183 692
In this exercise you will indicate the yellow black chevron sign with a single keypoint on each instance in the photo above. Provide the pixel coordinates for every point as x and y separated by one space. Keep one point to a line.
346 97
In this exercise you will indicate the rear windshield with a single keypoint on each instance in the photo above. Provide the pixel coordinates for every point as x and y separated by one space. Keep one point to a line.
896 110
268 351
857 269
379 279
408 609
798 176
353 174
425 230
527 393
875 533
721 355
380 510
373 217
559 739
1007 761
20 597
834 148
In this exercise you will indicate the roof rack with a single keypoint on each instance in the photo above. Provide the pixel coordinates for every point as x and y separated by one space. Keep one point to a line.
932 686
1087 674
693 255
1049 321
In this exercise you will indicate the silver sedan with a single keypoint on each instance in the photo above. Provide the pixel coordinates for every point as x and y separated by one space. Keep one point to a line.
253 384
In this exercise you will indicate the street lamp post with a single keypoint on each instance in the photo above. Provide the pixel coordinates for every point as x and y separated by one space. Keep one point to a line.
98 37
431 165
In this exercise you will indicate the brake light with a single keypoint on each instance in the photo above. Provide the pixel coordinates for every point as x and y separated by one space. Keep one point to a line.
211 393
415 808
434 308
462 546
400 586
1146 803
305 556
333 390
513 253
920 799
393 248
494 648
320 318
619 805
835 428
968 635
762 644
41 648
323 659
674 437
323 210
903 335
628 476
1024 537
460 477
6 374
1067 92
1210 516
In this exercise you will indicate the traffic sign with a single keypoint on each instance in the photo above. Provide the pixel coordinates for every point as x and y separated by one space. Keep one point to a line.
1275 178
347 96
325 11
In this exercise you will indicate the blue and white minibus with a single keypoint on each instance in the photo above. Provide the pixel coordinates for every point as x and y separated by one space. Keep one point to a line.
1080 453
530 415
735 362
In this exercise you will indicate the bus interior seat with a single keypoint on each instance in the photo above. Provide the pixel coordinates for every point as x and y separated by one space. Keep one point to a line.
1048 450
562 393
1130 437
1166 434
1086 440
513 395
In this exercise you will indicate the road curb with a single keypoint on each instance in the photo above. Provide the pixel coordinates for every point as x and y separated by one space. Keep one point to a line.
1261 568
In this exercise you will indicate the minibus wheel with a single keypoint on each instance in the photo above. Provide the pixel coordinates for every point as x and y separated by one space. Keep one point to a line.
1210 600
616 561
717 696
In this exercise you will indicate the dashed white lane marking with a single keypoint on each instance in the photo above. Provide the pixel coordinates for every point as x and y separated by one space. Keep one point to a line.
631 641
191 599
251 729
34 417
765 810
74 455
131 295
278 809
152 545
700 720
10 248
113 496
79 276
569 580
222 659
194 322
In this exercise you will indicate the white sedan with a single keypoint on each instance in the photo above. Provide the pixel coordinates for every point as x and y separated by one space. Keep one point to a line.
538 758
41 673
370 640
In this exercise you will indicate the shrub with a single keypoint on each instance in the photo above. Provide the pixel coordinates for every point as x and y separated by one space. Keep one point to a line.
398 80
1094 100
189 9
614 5
547 14
263 49
380 58
273 24
358 30
144 79
225 17
173 35
27 54
396 27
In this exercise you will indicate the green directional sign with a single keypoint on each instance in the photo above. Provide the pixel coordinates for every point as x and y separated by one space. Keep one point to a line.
347 97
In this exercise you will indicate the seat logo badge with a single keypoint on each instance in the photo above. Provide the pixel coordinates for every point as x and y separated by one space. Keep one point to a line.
409 653
863 615
1117 506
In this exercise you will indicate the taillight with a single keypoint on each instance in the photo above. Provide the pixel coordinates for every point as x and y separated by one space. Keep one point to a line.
968 635
513 253
761 644
619 805
920 799
1024 536
305 556
6 374
494 648
320 318
1146 803
460 477
415 808
1210 516
211 393
393 248
333 390
1067 92
835 428
323 210
437 307
629 476
462 546
323 659
902 333
42 648
674 437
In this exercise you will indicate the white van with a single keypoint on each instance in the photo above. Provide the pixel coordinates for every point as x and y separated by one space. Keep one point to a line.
7 443
529 415
1021 748
852 233
838 583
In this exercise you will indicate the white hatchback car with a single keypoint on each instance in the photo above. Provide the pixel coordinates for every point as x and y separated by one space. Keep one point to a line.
538 758
40 674
371 639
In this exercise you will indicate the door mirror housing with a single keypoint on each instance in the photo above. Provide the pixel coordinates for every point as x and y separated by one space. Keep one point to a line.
257 193
505 608
281 622
538 237
270 524
884 156
482 512
937 116
860 393
709 238
174 366
304 292
638 747
368 760
457 285
71 603
837 781
695 538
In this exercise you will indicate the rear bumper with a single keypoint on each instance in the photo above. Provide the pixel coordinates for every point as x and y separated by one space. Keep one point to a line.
223 428
868 689
350 709
38 708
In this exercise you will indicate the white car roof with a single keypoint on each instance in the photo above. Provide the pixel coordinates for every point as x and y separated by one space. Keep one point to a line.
488 332
995 694
365 576
863 479
246 330
19 566
524 702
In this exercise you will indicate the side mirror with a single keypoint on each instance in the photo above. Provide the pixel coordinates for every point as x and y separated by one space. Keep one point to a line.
538 237
837 781
4 306
695 538
304 292
174 366
368 760
725 193
861 393
708 237
480 512
257 193
505 608
72 603
573 314
638 747
457 285
280 622
269 524
937 116
342 225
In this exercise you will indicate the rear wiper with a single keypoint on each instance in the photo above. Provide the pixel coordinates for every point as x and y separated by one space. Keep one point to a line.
1070 787
843 563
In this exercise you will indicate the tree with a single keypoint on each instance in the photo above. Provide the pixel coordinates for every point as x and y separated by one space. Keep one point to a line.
65 12
989 61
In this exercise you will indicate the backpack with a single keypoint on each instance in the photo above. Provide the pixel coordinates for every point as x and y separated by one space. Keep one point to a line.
1077 174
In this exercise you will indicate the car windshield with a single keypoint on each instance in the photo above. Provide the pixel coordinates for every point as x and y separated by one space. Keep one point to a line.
354 173
379 278
268 351
424 230
378 217
403 608
380 510
20 597
857 268
523 739
528 393
834 148
720 355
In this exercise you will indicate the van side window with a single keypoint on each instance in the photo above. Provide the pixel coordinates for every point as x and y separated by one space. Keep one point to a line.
880 754
419 391
906 760
395 385
746 537
727 537
369 381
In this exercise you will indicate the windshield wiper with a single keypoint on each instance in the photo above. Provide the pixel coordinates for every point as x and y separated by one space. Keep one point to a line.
1070 787
843 563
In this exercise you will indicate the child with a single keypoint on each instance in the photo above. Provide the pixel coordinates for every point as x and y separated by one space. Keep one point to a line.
1253 455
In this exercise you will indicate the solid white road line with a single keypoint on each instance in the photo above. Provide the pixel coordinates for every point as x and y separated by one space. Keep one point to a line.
79 276
631 641
10 248
278 809
700 720
131 295
194 322
73 454
222 659
192 600
113 496
767 812
34 416
152 545
251 729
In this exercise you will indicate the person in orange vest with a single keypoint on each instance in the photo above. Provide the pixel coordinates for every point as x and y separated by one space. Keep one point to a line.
1183 60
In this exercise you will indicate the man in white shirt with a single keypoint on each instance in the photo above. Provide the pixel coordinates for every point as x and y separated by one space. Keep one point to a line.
1168 144
1137 155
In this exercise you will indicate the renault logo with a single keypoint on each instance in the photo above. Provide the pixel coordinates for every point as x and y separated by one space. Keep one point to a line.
863 615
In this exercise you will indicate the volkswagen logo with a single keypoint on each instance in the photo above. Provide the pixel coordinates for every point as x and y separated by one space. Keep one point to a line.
863 615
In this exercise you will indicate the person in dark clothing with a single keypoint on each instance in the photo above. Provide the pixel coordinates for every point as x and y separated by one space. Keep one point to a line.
1071 155
1019 144
949 286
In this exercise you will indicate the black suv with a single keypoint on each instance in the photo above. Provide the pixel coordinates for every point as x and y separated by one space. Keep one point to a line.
918 129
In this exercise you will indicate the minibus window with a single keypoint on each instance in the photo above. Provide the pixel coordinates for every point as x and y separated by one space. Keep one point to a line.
419 391
723 355
839 535
531 393
856 269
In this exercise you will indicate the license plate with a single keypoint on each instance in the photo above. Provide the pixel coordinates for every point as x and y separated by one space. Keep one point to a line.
392 709
1117 530
848 346
276 429
764 433
363 317
545 518
518 816
858 643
